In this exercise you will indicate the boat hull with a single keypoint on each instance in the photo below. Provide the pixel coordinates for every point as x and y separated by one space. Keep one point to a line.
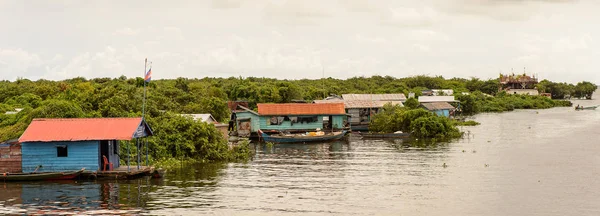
298 139
51 176
586 108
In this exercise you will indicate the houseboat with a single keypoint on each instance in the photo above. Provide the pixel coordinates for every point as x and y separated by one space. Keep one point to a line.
362 107
62 145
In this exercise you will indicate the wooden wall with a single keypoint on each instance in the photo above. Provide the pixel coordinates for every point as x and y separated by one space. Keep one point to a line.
81 154
10 158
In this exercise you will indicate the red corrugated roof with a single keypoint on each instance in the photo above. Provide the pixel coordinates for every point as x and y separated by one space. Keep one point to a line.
80 129
301 109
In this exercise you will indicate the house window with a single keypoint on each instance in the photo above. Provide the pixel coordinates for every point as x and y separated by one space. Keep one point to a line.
61 151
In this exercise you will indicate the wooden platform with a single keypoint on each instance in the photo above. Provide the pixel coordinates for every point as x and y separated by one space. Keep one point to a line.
121 173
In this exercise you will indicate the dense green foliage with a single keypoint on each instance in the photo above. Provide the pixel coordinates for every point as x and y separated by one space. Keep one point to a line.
564 90
478 102
419 122
411 103
179 137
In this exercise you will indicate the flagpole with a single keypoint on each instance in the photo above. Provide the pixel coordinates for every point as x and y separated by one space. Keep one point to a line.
144 77
143 111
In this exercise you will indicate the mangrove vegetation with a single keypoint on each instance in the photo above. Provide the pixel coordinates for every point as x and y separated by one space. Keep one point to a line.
179 137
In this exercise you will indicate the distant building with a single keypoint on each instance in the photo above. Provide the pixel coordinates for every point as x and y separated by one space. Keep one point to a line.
430 99
439 108
208 118
375 97
521 84
442 92
17 110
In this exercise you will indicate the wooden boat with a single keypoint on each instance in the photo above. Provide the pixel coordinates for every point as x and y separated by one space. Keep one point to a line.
300 138
43 176
384 135
586 108
121 172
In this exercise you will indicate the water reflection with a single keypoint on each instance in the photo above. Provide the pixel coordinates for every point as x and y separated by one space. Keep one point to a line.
518 163
40 198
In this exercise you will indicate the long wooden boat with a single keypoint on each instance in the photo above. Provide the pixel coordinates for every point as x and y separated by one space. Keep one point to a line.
384 135
301 138
44 176
120 173
586 108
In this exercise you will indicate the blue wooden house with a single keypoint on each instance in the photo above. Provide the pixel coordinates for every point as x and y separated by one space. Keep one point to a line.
302 117
247 121
76 143
439 108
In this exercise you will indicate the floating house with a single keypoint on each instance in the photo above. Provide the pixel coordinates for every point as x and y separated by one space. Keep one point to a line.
439 105
247 121
10 156
439 108
54 145
302 117
362 107
360 112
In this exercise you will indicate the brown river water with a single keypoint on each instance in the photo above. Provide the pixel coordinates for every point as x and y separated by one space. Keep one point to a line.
525 162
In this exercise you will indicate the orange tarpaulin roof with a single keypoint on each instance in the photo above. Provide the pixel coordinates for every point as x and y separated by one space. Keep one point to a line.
81 129
301 109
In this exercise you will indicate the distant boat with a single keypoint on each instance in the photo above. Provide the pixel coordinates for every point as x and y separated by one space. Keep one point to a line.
586 108
384 135
301 138
43 176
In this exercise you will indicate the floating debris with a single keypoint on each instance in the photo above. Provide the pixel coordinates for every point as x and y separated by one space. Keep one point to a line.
444 165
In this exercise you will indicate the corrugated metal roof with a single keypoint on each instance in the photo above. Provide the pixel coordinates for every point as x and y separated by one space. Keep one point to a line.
437 106
428 99
353 104
368 104
377 97
302 109
80 129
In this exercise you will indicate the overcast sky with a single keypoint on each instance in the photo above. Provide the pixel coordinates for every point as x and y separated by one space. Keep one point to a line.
556 39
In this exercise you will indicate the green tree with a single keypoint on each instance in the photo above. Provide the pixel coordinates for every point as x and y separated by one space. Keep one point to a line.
411 103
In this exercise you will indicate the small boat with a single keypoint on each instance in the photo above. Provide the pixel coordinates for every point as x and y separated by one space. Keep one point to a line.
384 135
300 138
43 176
586 108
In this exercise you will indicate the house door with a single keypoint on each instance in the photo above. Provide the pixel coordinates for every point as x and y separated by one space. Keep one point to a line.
104 151
330 123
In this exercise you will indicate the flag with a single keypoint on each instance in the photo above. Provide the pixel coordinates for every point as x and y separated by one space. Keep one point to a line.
148 75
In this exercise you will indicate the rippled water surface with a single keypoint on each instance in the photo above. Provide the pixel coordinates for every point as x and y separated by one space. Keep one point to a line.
526 162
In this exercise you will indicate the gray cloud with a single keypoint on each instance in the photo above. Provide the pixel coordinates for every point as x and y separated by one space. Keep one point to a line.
292 39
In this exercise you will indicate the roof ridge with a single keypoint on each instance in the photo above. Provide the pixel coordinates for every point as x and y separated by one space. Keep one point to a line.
72 119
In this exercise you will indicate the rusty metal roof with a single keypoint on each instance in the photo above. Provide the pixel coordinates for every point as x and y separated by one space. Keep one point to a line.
81 129
302 109
376 97
437 106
